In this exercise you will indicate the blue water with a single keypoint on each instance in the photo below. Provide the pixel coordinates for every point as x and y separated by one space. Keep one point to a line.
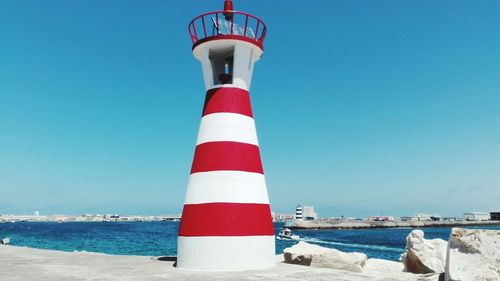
160 238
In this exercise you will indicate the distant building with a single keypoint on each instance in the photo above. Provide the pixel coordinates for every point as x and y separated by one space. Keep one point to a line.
308 213
423 217
417 217
436 218
476 216
282 217
298 213
380 218
495 216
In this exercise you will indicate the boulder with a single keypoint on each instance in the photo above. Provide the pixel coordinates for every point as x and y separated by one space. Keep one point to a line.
473 254
422 255
316 256
392 270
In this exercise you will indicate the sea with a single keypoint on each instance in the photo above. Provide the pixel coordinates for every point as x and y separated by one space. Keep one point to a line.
160 238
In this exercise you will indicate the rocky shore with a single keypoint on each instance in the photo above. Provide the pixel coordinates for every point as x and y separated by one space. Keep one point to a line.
320 224
469 255
21 264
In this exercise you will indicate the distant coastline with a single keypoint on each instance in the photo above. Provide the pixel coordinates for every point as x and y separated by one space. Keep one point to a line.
86 218
366 224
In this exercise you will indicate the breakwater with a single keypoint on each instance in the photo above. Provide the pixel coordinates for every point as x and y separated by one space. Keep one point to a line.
20 264
324 224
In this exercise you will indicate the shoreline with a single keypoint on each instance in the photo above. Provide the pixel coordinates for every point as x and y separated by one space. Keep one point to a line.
23 263
318 224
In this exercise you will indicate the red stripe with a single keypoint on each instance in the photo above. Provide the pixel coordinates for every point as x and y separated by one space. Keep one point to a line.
226 219
227 155
233 100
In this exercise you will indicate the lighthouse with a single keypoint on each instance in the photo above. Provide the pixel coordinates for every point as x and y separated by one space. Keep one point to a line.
226 220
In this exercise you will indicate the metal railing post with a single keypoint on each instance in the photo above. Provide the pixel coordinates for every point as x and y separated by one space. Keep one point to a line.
246 23
195 33
257 29
232 23
217 22
204 28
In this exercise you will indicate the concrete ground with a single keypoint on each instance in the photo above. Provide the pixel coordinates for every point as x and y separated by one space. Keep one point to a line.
23 264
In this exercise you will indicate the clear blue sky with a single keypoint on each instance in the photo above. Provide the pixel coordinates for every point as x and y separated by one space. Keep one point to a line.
362 107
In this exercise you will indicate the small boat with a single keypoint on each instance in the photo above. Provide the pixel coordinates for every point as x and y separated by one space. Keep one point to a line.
286 234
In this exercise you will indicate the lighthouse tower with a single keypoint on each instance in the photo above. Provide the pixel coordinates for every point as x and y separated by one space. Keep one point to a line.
226 221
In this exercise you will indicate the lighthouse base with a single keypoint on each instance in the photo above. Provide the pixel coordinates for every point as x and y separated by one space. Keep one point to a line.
225 253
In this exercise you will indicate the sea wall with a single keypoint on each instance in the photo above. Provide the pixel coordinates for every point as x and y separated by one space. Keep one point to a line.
323 224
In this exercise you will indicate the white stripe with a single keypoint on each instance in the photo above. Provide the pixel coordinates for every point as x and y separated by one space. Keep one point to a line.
226 86
227 127
228 253
226 186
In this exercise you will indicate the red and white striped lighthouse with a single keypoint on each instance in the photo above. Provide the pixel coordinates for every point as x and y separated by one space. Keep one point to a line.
226 222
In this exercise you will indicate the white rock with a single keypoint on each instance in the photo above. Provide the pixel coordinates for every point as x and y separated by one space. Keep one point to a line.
392 270
422 255
316 256
380 265
473 254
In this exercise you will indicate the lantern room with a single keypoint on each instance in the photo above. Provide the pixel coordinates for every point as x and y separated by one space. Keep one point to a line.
227 43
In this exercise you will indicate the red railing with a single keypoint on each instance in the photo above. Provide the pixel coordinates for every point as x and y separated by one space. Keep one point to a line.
223 23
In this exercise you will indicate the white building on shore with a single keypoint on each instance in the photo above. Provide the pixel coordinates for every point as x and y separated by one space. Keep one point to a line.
417 217
282 217
476 216
308 213
380 218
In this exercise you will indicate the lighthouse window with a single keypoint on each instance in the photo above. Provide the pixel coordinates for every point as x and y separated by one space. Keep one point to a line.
222 66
